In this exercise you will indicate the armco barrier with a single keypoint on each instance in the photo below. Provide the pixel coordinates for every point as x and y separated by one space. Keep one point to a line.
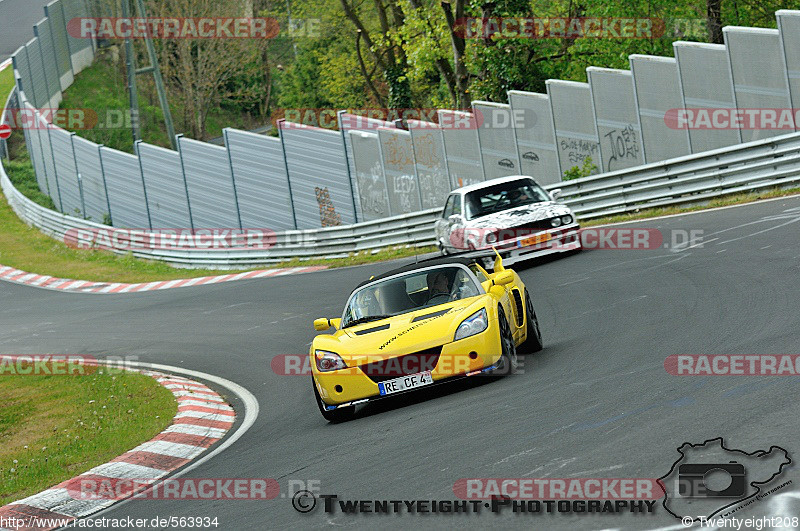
773 162
411 230
414 229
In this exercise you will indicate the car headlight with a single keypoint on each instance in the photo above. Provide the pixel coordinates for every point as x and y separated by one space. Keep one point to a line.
474 324
555 222
566 220
328 361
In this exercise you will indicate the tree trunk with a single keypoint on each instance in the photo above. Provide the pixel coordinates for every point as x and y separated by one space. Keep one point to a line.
459 50
714 21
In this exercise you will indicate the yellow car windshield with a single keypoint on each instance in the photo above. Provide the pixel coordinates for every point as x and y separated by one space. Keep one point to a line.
409 292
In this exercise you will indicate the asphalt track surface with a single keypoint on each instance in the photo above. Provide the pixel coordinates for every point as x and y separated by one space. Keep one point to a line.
596 402
17 18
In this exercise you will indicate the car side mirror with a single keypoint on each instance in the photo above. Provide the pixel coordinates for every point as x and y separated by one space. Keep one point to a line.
324 323
504 278
455 218
555 194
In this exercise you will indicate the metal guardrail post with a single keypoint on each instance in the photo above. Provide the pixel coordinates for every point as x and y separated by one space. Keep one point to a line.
78 173
53 42
105 185
69 47
185 183
55 170
144 185
343 133
279 124
233 179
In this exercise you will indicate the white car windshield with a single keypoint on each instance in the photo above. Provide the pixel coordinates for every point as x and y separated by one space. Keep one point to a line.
406 293
503 196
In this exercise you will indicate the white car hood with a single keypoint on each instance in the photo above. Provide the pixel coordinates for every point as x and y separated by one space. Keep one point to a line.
519 216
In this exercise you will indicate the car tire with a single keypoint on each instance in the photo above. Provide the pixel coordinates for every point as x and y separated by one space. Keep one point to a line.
341 414
533 341
508 355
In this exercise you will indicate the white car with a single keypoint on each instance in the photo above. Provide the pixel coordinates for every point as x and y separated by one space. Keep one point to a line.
514 215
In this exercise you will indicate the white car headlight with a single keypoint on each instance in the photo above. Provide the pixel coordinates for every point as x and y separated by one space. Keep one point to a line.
328 361
474 324
555 222
566 220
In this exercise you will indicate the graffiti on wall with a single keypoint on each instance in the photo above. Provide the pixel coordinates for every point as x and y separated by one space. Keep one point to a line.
327 213
623 145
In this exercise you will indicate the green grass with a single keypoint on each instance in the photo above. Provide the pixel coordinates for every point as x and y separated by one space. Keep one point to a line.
55 427
6 83
363 257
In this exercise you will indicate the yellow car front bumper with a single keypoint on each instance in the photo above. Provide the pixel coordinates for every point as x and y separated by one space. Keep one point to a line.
458 358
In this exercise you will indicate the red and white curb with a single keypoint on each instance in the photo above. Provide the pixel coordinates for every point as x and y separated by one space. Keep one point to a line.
84 286
203 418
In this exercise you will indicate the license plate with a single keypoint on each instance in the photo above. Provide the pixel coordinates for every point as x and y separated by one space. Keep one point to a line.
533 240
412 381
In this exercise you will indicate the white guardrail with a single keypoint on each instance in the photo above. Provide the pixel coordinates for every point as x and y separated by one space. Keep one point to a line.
773 162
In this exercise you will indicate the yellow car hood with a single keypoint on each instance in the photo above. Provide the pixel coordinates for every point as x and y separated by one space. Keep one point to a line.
409 332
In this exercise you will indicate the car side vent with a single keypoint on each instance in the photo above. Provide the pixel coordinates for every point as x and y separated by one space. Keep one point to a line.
429 315
373 329
518 306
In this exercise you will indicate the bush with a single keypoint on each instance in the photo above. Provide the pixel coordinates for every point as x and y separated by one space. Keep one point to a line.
576 172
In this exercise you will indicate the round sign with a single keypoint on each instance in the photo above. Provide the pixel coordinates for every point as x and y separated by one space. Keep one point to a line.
5 131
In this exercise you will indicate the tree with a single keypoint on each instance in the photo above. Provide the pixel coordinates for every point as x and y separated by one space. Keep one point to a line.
199 71
387 54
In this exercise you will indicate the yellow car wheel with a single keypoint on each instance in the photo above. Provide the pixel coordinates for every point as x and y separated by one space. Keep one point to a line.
533 341
508 355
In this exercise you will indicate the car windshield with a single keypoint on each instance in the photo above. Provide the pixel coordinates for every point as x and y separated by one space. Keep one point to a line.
502 197
406 293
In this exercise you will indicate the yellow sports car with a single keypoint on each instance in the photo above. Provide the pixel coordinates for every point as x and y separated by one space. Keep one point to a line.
419 325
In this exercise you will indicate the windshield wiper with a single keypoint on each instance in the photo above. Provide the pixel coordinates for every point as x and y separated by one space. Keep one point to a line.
366 319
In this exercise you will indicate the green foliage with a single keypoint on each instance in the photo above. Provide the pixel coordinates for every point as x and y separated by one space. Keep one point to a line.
584 170
399 89
20 172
